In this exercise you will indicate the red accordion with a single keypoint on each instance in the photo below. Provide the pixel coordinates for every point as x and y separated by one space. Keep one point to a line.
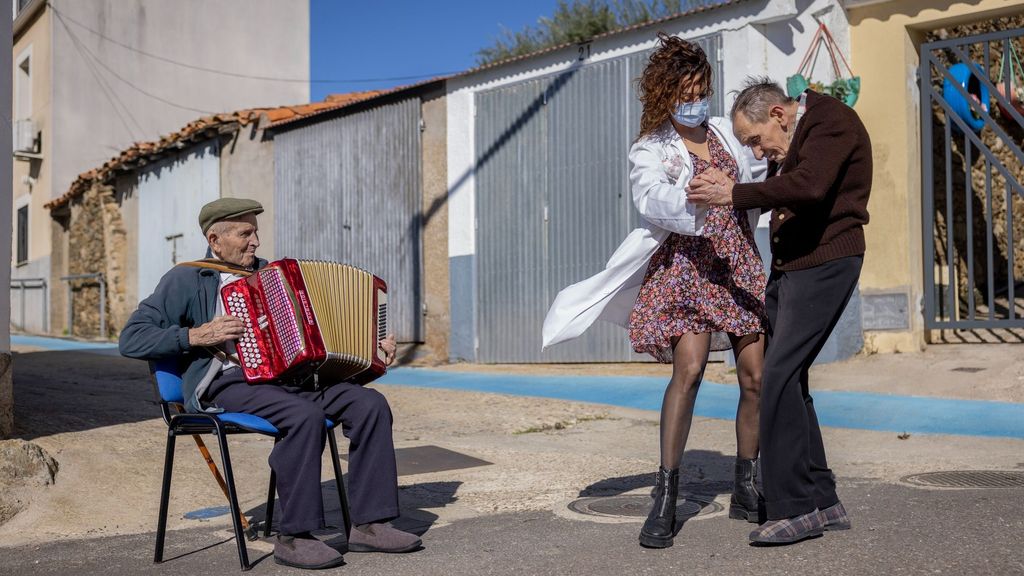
309 317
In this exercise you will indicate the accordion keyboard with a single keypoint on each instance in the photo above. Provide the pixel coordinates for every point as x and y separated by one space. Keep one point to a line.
282 314
249 352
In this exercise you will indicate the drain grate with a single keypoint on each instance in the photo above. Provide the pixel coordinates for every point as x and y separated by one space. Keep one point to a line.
968 369
968 479
638 505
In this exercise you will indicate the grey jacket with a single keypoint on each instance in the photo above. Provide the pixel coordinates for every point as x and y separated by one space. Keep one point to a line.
186 297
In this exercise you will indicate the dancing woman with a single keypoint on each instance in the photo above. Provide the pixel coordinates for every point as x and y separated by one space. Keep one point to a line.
688 282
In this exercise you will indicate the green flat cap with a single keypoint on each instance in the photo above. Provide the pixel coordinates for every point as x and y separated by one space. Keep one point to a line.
224 208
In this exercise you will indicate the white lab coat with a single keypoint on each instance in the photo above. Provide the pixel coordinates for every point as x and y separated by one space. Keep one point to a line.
661 169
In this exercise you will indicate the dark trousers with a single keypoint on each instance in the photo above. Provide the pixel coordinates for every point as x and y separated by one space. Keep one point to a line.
803 307
299 414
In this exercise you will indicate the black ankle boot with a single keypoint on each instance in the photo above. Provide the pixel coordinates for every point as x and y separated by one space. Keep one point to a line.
659 528
744 502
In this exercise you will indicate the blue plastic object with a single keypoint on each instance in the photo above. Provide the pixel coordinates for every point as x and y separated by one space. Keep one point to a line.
956 99
207 513
169 382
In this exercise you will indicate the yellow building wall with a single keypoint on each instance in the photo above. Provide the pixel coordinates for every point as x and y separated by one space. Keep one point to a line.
885 40
36 38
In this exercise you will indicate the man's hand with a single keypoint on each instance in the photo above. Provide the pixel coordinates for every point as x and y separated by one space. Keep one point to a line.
389 347
711 187
216 331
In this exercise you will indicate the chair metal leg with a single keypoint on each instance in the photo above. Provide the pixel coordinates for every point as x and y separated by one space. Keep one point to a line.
236 512
165 496
269 521
345 518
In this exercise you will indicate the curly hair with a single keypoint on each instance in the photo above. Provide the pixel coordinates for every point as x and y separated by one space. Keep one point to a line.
660 85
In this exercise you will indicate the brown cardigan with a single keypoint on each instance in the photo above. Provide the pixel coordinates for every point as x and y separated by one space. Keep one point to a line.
820 201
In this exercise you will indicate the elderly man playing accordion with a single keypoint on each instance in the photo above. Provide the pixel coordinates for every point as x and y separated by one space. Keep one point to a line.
184 318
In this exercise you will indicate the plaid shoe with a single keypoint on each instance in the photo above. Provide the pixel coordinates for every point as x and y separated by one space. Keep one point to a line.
789 530
835 517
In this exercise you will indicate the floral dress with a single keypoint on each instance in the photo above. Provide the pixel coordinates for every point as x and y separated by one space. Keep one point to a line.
713 283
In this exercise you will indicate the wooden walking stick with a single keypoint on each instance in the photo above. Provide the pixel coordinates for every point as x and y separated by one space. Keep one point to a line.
250 532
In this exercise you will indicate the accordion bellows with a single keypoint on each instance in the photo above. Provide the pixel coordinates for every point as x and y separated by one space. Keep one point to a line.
309 316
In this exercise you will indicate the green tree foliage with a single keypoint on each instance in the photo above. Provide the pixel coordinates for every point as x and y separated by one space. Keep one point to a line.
580 20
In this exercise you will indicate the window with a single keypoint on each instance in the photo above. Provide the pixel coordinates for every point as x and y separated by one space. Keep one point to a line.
22 234
23 86
19 5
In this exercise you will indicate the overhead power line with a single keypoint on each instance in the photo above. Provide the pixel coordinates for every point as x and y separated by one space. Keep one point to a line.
105 88
238 74
81 46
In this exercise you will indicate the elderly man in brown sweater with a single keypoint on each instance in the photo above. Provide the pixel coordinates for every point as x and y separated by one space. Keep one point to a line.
819 179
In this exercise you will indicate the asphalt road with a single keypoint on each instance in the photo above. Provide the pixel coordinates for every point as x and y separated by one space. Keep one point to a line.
897 530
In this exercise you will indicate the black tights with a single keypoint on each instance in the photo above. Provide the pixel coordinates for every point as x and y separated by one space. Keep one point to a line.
689 357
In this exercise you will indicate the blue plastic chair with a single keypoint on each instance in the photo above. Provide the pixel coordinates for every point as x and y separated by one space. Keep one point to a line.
180 423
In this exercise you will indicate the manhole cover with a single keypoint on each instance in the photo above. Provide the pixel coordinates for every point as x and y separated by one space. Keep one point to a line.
639 505
968 479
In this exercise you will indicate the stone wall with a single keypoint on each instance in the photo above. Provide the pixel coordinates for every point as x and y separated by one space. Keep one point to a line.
980 215
97 243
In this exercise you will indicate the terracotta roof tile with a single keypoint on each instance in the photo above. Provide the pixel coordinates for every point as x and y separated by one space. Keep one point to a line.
339 101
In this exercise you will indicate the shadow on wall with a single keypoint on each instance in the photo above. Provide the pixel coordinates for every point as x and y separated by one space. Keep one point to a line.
532 110
903 8
784 39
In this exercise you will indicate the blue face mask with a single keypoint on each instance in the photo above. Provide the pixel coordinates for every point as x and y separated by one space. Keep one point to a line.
691 114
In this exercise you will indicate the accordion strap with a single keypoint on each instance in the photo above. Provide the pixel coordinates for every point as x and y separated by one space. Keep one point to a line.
218 265
223 356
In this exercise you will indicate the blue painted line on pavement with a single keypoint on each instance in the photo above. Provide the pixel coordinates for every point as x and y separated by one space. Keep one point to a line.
59 343
864 411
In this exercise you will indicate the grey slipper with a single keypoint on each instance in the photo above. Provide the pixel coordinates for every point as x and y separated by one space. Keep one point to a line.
789 530
306 553
379 537
836 518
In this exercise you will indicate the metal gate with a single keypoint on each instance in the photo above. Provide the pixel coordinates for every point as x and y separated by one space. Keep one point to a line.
349 190
973 205
553 201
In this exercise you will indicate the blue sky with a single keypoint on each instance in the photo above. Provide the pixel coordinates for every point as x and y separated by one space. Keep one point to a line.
353 40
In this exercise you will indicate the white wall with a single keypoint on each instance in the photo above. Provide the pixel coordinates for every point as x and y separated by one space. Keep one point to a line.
171 193
6 380
6 212
254 37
